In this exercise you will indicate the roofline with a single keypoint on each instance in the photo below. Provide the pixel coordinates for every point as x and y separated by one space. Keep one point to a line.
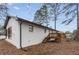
6 21
23 20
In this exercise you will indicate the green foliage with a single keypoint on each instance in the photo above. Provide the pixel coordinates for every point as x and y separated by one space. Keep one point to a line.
47 13
41 16
53 10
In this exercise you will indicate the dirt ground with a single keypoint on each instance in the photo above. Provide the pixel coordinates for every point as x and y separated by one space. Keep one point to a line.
50 48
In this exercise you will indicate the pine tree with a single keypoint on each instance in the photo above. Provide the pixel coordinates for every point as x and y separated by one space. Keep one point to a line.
41 16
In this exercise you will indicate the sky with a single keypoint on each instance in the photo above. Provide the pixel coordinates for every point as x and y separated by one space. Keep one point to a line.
27 11
23 10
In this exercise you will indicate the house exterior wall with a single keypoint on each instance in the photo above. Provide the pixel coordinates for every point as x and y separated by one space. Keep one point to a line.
27 38
35 37
15 32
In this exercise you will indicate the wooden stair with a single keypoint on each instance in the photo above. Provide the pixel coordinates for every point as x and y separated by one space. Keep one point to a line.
56 36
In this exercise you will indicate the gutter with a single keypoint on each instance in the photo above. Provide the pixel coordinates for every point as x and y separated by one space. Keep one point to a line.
21 35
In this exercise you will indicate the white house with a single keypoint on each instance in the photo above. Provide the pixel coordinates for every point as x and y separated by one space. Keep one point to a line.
22 33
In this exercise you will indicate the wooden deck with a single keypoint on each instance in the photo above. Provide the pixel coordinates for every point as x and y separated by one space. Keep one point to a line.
58 37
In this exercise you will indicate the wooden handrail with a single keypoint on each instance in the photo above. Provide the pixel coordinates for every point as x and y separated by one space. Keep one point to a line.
56 36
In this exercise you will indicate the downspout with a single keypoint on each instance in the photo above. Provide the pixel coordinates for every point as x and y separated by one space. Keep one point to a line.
21 35
77 16
77 22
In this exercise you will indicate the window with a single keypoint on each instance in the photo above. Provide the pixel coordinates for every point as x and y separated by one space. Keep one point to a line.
30 28
45 30
9 32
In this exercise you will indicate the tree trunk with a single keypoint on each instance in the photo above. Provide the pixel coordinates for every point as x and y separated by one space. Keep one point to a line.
77 33
55 16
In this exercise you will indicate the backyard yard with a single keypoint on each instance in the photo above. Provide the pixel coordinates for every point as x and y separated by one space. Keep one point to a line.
50 48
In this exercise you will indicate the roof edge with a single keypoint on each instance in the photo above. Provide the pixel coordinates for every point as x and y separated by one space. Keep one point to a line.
24 20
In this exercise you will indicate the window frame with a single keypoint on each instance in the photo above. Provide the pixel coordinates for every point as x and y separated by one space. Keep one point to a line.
45 30
31 28
9 32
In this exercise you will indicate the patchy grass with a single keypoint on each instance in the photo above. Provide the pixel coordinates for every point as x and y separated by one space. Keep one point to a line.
50 48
